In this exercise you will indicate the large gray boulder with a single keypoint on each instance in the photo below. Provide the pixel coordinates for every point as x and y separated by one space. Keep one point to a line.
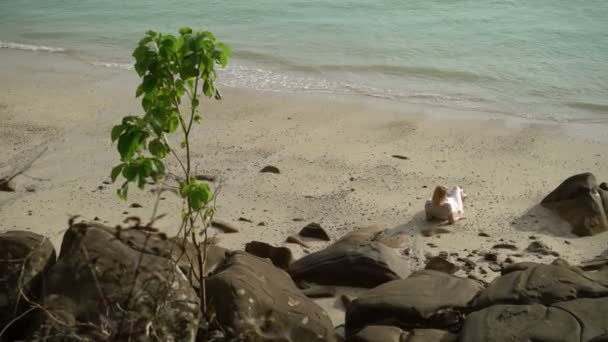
431 335
534 322
580 201
427 299
182 252
591 313
357 260
379 333
25 257
256 301
529 283
103 288
573 321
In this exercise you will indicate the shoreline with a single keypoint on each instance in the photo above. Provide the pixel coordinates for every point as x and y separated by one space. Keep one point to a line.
263 77
319 142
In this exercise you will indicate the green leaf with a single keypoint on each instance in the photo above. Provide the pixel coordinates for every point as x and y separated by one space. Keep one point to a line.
198 118
116 131
185 30
139 91
157 148
225 49
123 191
169 41
116 171
173 122
130 171
128 144
159 168
197 194
149 83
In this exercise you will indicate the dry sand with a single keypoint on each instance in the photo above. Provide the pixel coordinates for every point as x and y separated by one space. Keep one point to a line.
334 155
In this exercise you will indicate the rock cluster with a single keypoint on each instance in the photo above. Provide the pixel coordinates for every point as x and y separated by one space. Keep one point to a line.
113 284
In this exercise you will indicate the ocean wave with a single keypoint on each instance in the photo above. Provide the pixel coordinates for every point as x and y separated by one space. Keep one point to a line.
592 107
382 69
29 47
403 70
114 65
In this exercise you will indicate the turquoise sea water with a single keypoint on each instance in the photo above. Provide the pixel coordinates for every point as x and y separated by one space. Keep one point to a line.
544 59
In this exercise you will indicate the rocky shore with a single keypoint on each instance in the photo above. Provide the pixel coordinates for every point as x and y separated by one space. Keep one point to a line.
135 283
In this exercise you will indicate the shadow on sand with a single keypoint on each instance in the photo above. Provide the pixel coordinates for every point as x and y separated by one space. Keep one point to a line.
418 225
540 220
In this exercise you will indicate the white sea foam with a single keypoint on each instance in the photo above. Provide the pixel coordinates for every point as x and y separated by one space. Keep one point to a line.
113 65
29 47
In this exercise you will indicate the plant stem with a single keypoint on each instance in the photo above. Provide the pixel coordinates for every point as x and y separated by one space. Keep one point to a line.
201 275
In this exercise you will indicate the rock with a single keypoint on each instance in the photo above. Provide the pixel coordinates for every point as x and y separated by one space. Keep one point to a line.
30 188
601 338
483 234
378 333
135 205
528 283
187 258
101 279
490 256
440 264
354 260
254 300
270 169
562 263
505 246
398 156
319 291
340 334
205 178
431 335
25 258
495 267
314 231
184 254
298 219
242 219
520 323
538 247
596 263
469 265
224 226
296 240
442 230
8 186
582 203
347 300
427 299
591 313
279 256
394 241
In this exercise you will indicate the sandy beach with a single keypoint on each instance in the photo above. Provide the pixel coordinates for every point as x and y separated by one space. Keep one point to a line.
334 154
